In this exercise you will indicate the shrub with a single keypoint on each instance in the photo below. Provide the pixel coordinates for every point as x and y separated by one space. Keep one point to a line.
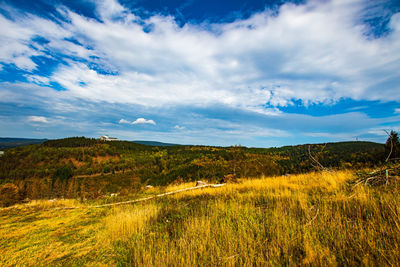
107 169
63 173
9 195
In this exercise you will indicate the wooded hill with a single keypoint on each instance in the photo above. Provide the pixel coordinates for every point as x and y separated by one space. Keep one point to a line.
89 168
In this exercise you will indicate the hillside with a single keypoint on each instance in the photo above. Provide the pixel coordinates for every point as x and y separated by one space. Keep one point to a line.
154 143
89 168
308 219
6 142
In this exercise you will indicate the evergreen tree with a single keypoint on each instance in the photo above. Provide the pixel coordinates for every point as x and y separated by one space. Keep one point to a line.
392 145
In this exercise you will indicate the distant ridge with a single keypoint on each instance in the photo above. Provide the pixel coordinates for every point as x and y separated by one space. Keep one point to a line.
154 143
8 142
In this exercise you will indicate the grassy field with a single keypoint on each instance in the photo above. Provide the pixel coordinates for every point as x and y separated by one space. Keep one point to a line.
315 218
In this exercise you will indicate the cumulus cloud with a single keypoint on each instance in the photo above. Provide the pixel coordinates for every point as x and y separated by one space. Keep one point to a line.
397 111
143 121
123 121
39 119
317 52
137 121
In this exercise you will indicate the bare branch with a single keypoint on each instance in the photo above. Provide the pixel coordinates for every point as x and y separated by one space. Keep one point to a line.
371 178
391 145
319 165
140 199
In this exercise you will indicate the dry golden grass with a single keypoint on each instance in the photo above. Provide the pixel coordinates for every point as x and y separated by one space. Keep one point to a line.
36 234
125 221
308 219
43 205
175 187
302 219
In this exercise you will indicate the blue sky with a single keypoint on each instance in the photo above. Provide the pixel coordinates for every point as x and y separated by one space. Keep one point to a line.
255 73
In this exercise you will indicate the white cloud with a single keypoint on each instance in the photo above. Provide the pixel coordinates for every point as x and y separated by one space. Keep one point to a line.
137 121
179 127
123 121
16 36
40 80
39 119
143 121
14 44
273 61
316 52
357 108
108 9
397 111
382 131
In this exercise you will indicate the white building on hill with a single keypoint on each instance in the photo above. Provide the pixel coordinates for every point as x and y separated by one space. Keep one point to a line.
107 138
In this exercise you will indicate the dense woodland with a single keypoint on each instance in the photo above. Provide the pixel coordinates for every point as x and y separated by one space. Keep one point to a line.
86 168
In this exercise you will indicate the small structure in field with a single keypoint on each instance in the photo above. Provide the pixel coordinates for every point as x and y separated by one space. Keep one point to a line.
1 153
107 138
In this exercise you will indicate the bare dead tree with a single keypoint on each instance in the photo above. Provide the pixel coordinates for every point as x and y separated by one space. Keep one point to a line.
391 145
381 175
315 162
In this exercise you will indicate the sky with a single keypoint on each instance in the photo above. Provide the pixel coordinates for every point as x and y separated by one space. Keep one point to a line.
261 73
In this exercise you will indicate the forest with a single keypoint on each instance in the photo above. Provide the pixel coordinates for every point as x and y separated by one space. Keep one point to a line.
87 168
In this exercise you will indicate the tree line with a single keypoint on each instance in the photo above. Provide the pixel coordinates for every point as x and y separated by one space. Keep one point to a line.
88 168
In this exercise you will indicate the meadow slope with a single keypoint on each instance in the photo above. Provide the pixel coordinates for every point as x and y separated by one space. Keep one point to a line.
315 218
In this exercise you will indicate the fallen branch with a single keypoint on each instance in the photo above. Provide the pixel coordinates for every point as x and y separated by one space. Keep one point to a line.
371 178
384 176
141 199
358 182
